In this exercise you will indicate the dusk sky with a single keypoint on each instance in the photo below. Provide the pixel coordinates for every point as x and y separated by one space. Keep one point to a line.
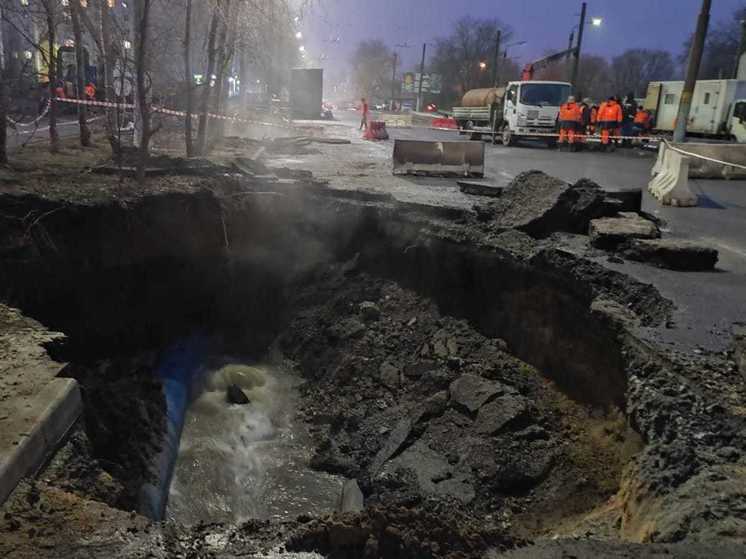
544 24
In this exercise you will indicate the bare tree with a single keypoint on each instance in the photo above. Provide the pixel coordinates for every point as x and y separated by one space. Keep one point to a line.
50 16
463 58
371 67
721 48
141 27
4 98
207 86
634 69
594 81
85 132
187 45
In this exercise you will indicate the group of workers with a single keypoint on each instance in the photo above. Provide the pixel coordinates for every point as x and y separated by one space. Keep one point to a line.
578 120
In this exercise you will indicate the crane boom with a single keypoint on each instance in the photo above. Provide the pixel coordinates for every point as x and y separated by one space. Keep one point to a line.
531 67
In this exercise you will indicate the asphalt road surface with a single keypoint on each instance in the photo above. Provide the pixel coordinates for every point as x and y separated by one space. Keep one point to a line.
708 302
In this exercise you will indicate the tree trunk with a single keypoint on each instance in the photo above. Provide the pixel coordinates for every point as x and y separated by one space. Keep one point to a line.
54 137
4 98
108 58
243 77
189 80
142 16
217 130
226 51
205 100
85 132
3 114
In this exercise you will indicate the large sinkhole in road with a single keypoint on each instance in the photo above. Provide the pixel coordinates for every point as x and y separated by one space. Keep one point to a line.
238 462
418 362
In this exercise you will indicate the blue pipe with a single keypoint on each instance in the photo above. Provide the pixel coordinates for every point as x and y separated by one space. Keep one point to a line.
179 369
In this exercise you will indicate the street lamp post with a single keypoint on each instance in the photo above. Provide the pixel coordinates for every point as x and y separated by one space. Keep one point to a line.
497 58
695 58
422 77
576 60
595 22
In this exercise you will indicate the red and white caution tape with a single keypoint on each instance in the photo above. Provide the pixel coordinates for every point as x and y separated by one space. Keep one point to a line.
171 112
33 122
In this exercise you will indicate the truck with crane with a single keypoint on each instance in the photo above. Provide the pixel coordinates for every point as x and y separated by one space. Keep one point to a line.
522 109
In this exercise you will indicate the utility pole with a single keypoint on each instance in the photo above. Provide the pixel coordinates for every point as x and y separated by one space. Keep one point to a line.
739 69
393 84
695 58
422 77
495 73
576 60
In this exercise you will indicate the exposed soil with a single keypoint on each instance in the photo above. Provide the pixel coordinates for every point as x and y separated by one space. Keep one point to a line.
483 386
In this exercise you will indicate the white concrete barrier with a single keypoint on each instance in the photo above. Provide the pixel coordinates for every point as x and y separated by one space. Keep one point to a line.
670 183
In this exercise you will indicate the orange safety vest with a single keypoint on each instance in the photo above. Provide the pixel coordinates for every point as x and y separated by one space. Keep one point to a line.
642 117
570 112
610 111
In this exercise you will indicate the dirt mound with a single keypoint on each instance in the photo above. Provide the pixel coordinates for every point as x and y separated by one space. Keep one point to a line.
124 418
418 406
540 205
400 533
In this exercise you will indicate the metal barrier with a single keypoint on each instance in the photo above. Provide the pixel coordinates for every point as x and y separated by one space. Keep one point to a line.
464 159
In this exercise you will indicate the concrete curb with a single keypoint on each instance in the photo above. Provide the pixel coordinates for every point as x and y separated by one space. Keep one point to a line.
50 414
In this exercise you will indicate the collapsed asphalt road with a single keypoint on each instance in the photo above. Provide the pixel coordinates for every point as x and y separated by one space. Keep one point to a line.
481 376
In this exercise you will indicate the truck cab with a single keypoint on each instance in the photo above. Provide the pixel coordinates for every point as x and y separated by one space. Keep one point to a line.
530 108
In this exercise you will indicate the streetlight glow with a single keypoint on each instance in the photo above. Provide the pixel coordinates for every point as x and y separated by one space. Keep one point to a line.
299 35
482 65
596 21
302 48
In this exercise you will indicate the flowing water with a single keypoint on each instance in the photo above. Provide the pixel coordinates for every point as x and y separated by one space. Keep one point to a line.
239 462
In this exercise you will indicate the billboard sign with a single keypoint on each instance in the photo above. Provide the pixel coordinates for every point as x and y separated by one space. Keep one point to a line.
431 83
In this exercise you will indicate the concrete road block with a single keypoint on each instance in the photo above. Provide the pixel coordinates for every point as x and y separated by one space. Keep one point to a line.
670 185
35 429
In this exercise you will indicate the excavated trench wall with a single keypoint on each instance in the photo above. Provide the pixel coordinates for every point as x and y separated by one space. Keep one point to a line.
121 277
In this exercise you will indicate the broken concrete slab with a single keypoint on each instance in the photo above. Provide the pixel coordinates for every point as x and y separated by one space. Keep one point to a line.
472 392
609 232
540 205
496 414
435 475
396 439
351 499
674 254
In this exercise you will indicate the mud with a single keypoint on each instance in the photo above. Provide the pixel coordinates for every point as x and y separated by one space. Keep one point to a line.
485 387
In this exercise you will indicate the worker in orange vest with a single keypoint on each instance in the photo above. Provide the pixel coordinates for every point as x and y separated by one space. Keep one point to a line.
642 121
570 116
609 120
90 91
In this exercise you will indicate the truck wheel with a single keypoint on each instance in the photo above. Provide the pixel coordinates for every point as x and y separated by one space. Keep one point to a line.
552 143
476 136
507 135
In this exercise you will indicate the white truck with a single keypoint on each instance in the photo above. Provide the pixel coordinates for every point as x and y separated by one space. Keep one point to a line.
718 108
524 109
